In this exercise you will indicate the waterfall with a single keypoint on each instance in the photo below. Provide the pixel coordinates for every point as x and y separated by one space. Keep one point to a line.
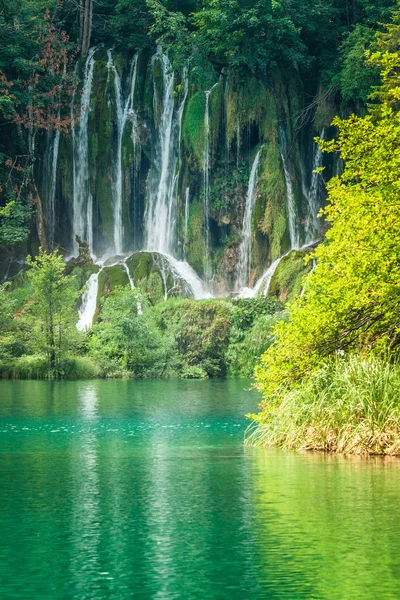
53 182
186 220
122 111
206 185
80 151
89 303
264 282
160 215
313 194
291 202
187 273
243 275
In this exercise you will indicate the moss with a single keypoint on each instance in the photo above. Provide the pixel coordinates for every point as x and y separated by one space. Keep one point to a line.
193 126
287 281
246 102
270 209
195 250
101 125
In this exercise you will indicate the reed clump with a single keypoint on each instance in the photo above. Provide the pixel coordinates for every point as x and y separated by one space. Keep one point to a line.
350 406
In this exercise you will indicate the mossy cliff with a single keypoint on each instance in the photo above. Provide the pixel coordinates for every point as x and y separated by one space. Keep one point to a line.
246 114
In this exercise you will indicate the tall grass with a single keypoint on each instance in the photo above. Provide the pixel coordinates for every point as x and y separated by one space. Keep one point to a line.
36 367
351 406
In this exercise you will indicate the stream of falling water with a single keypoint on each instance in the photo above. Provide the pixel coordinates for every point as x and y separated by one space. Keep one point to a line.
206 187
122 111
80 150
160 215
291 202
87 309
243 275
313 194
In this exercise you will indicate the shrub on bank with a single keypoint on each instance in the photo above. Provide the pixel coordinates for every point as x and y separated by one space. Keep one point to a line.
350 406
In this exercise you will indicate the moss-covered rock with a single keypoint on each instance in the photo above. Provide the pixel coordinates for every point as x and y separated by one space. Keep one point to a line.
287 281
155 275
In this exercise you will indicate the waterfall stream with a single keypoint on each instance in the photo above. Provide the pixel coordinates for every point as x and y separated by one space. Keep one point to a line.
206 186
122 111
291 202
89 302
313 195
244 265
80 150
160 216
53 183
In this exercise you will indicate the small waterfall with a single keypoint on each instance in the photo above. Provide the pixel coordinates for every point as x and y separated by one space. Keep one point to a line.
186 220
264 282
160 216
313 195
130 279
185 272
80 150
206 185
52 195
291 202
243 275
122 111
89 303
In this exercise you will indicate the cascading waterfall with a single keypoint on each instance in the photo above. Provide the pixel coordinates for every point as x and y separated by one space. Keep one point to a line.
313 194
243 275
291 202
160 216
53 181
89 303
123 109
206 186
80 150
264 282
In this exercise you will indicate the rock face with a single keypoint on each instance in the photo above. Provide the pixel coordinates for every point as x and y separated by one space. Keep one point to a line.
157 139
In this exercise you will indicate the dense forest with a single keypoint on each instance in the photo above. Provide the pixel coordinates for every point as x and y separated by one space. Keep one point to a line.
203 188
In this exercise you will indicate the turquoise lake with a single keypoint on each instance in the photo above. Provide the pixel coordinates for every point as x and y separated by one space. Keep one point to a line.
144 490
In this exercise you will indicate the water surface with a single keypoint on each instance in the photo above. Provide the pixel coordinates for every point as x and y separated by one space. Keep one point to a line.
143 490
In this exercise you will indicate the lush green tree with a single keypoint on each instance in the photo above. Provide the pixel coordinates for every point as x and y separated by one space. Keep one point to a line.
51 312
352 298
125 341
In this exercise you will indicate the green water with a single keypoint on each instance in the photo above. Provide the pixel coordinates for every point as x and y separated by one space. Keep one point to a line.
143 490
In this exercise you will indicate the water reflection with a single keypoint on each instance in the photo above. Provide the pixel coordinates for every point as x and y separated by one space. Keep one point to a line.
144 490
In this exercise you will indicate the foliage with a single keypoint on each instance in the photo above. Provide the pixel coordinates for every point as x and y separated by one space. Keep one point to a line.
352 298
125 342
201 330
13 223
349 405
51 311
357 76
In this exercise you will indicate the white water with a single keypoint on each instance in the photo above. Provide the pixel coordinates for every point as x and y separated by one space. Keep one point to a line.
80 149
122 111
291 202
188 274
263 284
160 215
244 265
53 182
186 220
88 306
206 186
313 195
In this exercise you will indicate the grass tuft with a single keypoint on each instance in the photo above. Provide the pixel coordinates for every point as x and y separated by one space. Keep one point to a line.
351 406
